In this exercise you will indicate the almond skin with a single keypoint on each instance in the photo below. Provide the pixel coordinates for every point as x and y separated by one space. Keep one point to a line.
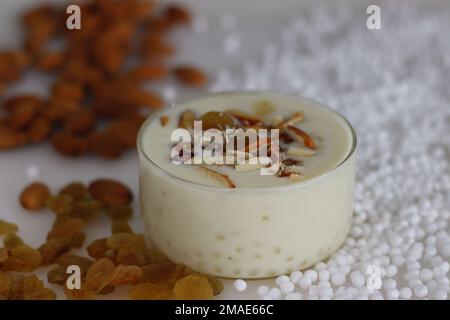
110 192
190 76
34 196
69 145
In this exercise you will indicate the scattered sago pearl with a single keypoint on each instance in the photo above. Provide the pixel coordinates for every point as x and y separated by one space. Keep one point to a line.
274 293
311 274
420 291
426 275
393 294
286 287
338 279
281 279
305 282
390 284
357 279
405 293
262 290
324 275
391 270
296 276
240 285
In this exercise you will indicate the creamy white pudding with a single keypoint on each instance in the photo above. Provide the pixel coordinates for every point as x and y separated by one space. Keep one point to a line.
267 224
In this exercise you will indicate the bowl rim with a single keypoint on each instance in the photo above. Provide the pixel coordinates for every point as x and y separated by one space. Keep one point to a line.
155 115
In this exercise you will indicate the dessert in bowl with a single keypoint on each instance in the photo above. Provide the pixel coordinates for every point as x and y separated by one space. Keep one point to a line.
249 206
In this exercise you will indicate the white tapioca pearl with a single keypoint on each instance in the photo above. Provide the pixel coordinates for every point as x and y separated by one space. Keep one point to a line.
240 285
420 291
393 294
305 282
296 276
312 274
358 280
426 275
405 293
390 284
324 275
338 278
286 287
262 290
274 293
391 270
282 279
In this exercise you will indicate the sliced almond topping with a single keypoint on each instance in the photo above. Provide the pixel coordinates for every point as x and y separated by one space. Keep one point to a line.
292 120
245 118
300 152
164 120
221 178
301 136
187 119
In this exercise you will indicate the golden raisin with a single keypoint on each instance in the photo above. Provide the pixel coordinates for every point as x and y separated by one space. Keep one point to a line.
100 274
151 291
86 209
23 259
11 240
97 248
34 196
131 255
126 275
193 288
33 289
5 284
158 272
6 227
79 294
60 204
16 285
119 212
66 229
4 254
110 192
121 226
58 275
118 240
77 190
216 285
52 249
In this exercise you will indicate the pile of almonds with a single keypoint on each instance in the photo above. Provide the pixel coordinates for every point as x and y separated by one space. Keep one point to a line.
96 102
121 259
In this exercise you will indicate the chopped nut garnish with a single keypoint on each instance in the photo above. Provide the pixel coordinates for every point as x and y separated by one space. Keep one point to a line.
293 119
301 136
222 178
263 108
245 118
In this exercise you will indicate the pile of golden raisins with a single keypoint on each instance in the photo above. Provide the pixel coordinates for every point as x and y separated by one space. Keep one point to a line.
119 260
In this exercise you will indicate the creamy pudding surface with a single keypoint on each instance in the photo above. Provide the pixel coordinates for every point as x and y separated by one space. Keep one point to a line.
231 221
330 132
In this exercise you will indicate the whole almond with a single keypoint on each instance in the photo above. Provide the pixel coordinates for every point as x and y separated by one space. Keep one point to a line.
34 196
190 76
21 116
110 192
151 72
50 61
125 132
39 130
10 138
19 100
81 121
106 145
69 145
